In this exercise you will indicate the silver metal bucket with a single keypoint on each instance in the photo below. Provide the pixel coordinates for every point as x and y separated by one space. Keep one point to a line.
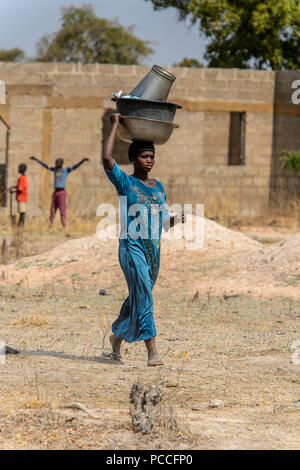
155 85
148 109
137 128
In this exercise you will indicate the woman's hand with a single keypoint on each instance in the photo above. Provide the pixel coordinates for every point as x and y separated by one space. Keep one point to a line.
107 159
179 218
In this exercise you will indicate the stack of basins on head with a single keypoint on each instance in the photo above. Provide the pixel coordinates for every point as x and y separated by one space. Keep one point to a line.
146 115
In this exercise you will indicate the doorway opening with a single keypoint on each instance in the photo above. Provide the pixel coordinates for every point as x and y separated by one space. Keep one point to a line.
4 149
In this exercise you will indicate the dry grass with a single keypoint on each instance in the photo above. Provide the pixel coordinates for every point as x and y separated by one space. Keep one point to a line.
31 320
37 237
233 348
33 403
240 355
285 213
76 225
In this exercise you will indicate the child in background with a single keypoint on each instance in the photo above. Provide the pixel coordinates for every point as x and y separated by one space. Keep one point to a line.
59 195
22 193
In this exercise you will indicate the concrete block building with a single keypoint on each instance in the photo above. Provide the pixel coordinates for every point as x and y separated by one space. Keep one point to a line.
234 126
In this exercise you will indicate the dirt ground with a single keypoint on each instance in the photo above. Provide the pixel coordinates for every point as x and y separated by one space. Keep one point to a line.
227 317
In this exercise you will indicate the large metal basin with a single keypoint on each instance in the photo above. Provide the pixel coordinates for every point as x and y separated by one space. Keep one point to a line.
147 109
136 128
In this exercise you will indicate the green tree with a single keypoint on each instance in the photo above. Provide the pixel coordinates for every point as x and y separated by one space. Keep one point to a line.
85 38
12 55
188 62
254 33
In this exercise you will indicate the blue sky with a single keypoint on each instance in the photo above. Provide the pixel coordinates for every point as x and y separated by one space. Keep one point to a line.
23 22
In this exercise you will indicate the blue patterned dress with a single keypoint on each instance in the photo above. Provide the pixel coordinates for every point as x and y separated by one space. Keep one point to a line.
143 211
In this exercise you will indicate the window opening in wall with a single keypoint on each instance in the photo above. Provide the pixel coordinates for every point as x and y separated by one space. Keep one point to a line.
120 152
237 134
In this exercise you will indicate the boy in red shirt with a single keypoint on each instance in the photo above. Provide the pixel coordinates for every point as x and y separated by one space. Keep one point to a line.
22 193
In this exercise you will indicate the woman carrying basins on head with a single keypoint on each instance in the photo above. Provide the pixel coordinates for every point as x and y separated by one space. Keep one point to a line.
143 214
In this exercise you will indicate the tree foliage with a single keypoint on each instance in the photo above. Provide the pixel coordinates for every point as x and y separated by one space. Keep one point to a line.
253 33
12 55
188 62
85 38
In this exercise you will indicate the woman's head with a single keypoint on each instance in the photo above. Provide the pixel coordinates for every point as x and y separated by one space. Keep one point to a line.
142 154
59 163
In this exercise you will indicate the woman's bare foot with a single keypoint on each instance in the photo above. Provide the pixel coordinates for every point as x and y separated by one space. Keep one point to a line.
116 347
153 356
154 361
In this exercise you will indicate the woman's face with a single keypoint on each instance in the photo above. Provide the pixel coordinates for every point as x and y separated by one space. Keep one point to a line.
144 161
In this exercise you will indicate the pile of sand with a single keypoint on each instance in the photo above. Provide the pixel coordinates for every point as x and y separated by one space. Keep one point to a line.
204 234
277 262
197 233
88 254
247 264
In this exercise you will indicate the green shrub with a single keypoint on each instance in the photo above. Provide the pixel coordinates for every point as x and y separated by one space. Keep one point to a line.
290 160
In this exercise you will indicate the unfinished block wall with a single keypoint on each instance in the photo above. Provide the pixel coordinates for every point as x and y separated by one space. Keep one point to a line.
58 110
285 183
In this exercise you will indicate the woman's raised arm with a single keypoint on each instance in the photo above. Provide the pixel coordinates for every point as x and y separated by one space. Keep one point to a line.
107 159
